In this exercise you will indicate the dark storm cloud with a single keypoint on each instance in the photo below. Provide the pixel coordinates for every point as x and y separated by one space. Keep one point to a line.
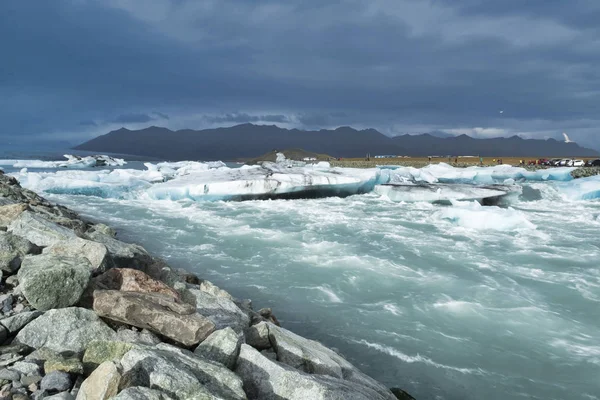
244 117
396 65
133 118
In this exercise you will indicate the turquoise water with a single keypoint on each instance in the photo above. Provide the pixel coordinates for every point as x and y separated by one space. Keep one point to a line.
447 302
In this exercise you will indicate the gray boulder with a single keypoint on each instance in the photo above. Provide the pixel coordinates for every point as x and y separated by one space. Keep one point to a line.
60 396
314 358
38 230
124 255
27 368
154 312
222 311
180 374
257 336
3 334
16 322
65 329
12 250
56 381
96 253
143 337
48 281
222 346
266 379
141 393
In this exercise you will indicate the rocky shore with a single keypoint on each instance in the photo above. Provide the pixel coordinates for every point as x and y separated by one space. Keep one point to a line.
84 315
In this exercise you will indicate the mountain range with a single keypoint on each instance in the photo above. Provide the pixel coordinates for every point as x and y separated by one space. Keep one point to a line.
249 140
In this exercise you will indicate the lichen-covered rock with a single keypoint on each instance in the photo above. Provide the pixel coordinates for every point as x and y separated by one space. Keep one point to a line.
100 351
102 384
65 329
221 310
154 312
16 322
180 373
38 230
222 346
96 253
266 379
70 365
48 281
141 393
131 280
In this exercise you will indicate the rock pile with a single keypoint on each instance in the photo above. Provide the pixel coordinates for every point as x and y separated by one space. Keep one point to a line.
86 316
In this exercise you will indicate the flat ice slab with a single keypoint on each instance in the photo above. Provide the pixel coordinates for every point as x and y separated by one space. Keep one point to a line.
446 193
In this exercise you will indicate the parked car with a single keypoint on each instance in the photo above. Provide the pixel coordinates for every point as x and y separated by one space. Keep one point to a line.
577 163
554 162
565 162
593 163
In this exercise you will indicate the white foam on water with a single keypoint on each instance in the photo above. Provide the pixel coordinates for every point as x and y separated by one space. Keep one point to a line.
419 359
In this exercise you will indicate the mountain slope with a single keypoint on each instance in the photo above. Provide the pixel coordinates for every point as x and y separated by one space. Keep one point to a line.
248 141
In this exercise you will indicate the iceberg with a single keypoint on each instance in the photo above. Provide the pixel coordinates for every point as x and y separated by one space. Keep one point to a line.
446 193
580 189
71 162
268 181
472 215
481 175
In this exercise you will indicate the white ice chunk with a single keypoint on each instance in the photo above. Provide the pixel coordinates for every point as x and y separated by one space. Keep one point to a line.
472 215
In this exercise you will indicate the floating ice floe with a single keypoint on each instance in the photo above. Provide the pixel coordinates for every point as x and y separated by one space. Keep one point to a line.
473 215
71 162
288 180
446 193
268 181
482 175
580 189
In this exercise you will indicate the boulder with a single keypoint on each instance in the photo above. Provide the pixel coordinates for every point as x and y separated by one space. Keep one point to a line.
154 312
222 346
124 255
144 337
26 368
131 280
101 228
314 358
16 322
266 379
222 311
49 281
12 250
70 365
102 384
100 351
96 253
3 334
180 374
38 230
60 396
10 212
257 336
141 393
56 381
65 329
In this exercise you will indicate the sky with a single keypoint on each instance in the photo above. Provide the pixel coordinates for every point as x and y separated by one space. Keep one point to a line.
74 69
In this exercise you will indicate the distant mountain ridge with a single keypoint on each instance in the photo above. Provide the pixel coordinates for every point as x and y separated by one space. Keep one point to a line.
249 140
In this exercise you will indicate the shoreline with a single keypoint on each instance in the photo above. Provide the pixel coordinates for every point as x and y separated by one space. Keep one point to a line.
85 314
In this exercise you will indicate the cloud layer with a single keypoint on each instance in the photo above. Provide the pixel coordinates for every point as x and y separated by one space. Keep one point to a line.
72 69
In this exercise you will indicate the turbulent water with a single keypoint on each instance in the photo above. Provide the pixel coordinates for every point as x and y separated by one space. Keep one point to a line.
447 302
